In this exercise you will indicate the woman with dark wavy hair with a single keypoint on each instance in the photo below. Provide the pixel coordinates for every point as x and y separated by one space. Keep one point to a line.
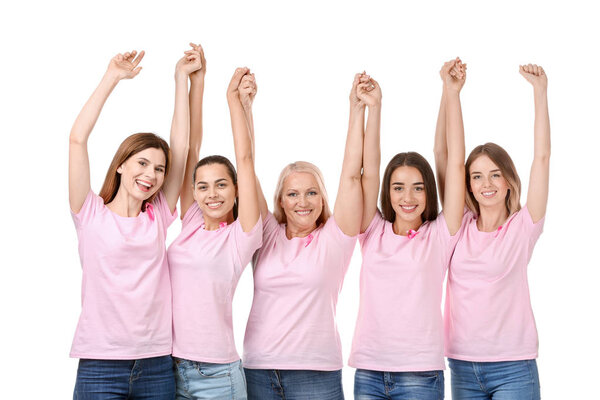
398 341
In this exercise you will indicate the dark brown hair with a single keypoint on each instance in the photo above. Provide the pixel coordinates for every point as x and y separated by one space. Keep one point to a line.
131 146
410 159
216 159
500 157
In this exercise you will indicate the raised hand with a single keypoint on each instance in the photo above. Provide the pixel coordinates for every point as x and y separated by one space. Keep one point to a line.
354 99
247 89
454 74
190 62
199 73
125 66
233 92
535 75
368 91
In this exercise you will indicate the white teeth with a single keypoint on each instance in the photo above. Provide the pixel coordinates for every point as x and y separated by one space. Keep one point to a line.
214 205
143 183
409 207
303 212
488 193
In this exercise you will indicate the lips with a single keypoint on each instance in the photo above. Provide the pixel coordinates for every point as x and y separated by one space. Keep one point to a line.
408 209
214 205
144 186
303 213
489 194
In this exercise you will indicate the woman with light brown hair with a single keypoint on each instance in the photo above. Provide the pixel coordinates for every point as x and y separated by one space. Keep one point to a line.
491 337
123 338
292 348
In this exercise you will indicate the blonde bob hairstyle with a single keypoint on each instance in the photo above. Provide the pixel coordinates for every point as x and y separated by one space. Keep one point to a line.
300 166
500 157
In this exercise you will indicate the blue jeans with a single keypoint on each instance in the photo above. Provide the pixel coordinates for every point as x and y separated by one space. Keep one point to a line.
285 384
201 380
144 379
374 385
504 380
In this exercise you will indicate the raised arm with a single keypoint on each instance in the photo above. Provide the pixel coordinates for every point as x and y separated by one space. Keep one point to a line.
370 96
248 210
247 99
122 66
195 98
440 147
180 127
349 196
537 193
454 184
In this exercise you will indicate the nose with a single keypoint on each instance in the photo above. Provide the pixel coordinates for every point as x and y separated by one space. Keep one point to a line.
150 172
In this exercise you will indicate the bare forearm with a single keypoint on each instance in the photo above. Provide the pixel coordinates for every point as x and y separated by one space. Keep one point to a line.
354 144
541 125
83 125
371 152
455 137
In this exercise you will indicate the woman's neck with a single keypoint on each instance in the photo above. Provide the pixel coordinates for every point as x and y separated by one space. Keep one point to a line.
402 227
491 218
125 205
292 231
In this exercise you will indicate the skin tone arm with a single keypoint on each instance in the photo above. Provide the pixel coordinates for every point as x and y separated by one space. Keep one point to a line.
349 197
248 212
247 98
454 184
440 149
371 146
195 99
537 193
180 127
122 66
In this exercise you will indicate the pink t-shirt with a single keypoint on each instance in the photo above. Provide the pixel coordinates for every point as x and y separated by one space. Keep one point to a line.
296 286
205 268
488 313
125 293
399 325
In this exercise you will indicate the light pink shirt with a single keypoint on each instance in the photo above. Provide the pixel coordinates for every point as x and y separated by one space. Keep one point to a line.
125 294
205 268
488 313
296 286
399 325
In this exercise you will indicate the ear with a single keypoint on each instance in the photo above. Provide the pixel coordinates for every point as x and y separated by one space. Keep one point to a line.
120 169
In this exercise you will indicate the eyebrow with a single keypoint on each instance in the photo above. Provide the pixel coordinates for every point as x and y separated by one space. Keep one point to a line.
148 161
402 183
477 172
296 190
217 181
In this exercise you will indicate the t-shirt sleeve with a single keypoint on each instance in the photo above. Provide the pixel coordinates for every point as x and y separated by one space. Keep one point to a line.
270 227
333 230
246 243
88 210
533 230
374 227
161 207
193 215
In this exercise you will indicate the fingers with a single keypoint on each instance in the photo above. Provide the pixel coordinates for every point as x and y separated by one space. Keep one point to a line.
139 57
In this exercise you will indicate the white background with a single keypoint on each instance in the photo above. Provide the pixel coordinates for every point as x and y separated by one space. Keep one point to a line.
304 57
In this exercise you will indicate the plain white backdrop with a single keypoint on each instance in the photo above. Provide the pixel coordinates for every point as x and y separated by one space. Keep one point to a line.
304 56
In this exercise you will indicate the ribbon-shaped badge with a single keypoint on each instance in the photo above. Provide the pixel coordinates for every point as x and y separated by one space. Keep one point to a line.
412 233
222 224
308 239
150 211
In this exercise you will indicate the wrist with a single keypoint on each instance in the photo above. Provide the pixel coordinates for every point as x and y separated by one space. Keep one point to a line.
181 76
111 77
197 78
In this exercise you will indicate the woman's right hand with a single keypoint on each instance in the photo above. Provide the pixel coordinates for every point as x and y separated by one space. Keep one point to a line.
247 90
125 66
368 91
454 74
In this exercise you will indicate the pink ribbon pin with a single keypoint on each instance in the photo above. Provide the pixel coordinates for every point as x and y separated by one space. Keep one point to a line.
222 224
150 211
412 233
308 239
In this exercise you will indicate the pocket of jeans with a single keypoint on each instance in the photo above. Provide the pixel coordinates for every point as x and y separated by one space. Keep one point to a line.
425 374
210 370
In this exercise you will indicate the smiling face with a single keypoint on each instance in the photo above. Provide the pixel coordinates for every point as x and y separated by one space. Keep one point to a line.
215 192
407 196
301 201
487 183
143 173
